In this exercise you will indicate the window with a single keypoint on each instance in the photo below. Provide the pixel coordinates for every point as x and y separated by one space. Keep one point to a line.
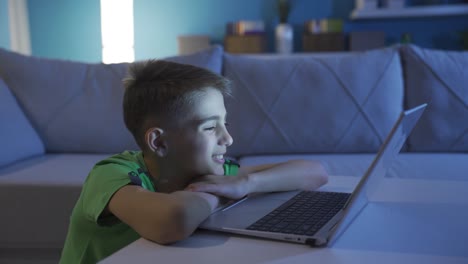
117 31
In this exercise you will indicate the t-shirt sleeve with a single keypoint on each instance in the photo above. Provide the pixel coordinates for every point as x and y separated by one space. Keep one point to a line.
231 167
101 184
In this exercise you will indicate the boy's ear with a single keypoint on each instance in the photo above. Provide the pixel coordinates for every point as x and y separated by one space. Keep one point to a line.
155 142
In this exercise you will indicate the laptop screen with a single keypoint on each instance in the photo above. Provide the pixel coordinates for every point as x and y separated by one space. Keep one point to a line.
379 168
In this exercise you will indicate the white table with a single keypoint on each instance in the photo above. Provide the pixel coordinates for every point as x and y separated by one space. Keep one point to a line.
408 221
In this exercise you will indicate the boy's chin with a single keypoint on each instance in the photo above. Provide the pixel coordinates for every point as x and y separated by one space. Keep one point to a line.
219 171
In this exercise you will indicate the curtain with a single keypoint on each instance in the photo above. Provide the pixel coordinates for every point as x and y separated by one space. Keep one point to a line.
19 26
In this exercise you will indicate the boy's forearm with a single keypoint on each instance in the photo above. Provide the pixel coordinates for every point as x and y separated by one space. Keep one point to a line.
194 208
162 218
291 175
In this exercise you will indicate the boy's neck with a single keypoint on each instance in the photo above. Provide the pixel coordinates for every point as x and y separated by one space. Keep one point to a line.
164 178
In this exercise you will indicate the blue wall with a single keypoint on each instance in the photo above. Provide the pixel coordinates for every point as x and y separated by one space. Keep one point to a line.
66 29
436 32
71 29
158 23
4 25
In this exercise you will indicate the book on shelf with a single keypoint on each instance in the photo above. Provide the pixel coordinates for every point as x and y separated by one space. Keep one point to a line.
245 36
245 27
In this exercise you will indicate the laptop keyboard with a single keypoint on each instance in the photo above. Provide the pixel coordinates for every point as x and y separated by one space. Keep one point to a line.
304 214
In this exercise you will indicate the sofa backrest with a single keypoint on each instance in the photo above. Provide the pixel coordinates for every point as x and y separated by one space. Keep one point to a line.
77 107
18 139
320 103
441 79
301 103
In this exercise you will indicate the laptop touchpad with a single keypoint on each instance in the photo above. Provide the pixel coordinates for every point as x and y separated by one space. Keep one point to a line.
246 213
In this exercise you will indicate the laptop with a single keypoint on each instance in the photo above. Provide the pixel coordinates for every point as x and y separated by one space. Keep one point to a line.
317 218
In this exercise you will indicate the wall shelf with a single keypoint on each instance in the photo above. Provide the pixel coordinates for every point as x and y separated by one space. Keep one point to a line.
419 11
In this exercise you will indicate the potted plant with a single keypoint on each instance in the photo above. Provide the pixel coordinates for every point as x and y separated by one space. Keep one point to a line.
284 6
284 31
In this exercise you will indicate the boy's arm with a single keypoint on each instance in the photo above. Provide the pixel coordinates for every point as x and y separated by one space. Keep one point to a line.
285 176
162 218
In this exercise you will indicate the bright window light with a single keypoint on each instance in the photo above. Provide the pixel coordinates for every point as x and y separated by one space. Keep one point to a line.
117 31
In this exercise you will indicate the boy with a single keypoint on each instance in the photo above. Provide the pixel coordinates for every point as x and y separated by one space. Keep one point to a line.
177 116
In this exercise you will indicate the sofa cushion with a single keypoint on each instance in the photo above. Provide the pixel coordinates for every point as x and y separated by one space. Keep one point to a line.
440 79
18 138
37 196
77 107
339 102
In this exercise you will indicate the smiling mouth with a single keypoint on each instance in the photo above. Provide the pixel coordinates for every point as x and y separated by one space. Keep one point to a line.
219 158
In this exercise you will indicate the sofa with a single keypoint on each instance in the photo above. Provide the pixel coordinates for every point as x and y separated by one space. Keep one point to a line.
58 118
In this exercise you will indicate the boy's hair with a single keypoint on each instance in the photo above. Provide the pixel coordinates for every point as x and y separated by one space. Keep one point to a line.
158 90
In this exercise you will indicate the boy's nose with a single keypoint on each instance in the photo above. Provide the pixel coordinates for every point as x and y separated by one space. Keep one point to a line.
226 139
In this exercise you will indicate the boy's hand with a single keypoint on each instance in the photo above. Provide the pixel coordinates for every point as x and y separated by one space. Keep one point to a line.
212 200
233 187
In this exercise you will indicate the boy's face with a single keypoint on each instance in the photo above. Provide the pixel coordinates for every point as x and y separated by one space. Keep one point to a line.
198 146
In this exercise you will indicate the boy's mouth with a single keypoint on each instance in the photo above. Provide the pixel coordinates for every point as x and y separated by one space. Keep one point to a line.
219 158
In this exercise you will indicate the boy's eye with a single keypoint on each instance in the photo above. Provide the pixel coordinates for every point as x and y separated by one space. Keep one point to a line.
213 127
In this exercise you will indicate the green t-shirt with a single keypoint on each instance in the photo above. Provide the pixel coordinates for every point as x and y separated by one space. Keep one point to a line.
91 237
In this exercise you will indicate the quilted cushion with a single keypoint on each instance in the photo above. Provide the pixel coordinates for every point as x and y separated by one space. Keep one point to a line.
327 103
18 139
439 78
77 107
